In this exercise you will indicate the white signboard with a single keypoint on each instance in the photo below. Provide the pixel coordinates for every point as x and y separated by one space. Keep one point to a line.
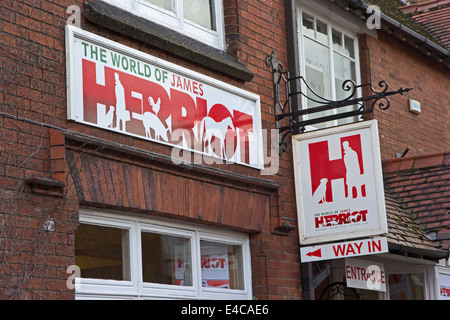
344 249
444 284
364 274
339 184
117 88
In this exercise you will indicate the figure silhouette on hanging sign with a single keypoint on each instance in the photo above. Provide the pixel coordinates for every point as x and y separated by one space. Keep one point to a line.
353 176
122 114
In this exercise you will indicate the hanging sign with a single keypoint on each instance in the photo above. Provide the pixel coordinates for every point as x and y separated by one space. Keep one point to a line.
339 184
117 88
364 274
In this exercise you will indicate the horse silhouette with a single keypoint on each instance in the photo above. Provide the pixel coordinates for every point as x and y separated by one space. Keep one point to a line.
211 128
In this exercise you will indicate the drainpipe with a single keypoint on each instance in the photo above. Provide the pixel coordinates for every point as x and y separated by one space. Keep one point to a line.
295 104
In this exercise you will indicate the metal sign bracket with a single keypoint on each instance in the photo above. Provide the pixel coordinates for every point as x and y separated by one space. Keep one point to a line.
299 119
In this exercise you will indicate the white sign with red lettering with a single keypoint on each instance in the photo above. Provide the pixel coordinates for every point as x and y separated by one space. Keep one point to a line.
344 249
364 274
215 267
339 184
117 88
444 283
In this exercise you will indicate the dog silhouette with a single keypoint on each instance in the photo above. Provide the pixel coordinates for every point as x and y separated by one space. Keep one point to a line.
320 193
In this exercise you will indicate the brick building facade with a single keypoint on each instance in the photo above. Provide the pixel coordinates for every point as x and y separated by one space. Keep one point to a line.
66 186
50 165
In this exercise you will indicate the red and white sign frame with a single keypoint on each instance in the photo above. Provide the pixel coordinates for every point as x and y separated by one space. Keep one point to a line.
117 88
327 164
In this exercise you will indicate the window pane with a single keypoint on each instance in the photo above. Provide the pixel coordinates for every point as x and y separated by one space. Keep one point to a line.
322 32
406 286
102 252
337 41
165 4
166 259
349 47
317 76
221 265
308 25
200 11
344 69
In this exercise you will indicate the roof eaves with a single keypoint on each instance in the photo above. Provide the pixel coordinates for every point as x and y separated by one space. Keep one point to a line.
405 33
406 236
428 254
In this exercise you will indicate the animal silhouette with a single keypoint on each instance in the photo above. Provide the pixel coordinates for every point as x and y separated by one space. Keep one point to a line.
333 222
320 193
155 106
109 117
105 119
209 127
151 121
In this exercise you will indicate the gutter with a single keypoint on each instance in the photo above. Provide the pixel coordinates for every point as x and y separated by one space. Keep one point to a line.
429 254
402 32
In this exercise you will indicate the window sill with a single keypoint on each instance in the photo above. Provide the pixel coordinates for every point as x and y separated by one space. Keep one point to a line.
126 23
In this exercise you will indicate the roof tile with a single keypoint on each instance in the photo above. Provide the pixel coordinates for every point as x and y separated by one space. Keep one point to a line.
433 16
403 229
422 186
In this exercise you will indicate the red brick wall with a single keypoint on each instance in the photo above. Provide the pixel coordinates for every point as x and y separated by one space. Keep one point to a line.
34 255
33 261
275 259
403 66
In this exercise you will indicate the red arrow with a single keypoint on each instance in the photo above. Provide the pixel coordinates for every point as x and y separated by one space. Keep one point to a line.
317 253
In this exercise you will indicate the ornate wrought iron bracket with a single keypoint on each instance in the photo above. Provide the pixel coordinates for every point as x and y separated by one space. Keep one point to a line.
299 119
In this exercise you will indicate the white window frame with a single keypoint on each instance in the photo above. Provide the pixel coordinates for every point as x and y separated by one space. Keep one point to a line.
165 290
403 265
326 16
176 21
103 286
136 288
